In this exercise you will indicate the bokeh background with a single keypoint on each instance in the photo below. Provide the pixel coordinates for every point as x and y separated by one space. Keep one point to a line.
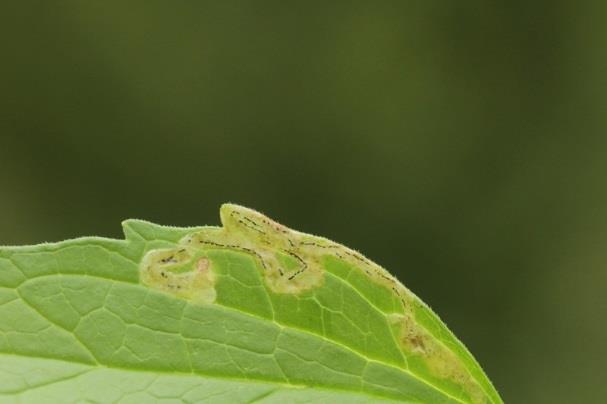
461 145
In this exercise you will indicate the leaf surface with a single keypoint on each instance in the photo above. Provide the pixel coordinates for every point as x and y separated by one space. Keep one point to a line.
251 311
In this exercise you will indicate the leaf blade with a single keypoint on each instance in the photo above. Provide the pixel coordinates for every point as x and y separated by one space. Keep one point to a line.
86 297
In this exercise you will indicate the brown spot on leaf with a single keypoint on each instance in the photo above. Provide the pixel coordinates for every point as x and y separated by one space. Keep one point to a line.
417 343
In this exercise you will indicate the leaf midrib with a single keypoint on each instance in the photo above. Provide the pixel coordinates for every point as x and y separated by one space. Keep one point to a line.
252 380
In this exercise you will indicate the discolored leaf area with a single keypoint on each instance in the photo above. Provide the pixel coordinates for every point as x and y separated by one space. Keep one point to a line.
251 311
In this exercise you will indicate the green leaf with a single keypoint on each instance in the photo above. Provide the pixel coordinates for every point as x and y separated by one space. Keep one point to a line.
251 311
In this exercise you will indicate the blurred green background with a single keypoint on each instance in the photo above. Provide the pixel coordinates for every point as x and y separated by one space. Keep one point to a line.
461 145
